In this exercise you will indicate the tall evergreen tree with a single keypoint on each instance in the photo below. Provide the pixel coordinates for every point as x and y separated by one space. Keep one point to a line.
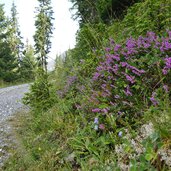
15 38
40 96
44 27
7 58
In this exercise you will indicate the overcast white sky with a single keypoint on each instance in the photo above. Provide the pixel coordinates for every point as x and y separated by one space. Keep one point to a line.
65 27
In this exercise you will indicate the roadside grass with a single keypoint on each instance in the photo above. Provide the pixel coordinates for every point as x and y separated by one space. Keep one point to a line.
42 141
54 140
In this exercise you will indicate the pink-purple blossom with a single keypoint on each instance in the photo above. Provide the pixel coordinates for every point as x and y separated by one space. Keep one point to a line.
166 88
127 91
96 110
153 99
102 126
130 78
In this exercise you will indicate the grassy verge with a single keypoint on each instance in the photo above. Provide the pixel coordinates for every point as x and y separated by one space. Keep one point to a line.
42 141
53 141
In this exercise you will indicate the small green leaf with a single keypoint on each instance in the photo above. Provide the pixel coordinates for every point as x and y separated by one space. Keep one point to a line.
149 157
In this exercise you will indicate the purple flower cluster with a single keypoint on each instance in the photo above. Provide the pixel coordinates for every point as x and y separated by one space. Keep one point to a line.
167 65
153 99
102 111
166 88
125 71
97 125
69 82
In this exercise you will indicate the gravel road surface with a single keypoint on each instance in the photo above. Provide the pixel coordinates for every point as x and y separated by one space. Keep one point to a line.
10 103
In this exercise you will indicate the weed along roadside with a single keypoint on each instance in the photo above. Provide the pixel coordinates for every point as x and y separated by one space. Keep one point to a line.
106 105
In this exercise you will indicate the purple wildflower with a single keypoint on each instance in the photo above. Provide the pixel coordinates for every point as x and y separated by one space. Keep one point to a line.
113 104
104 94
102 126
151 36
96 76
96 110
153 100
166 88
167 65
115 57
130 43
112 42
104 110
96 120
107 49
128 92
124 64
119 112
168 62
117 47
99 68
130 78
165 71
120 133
117 96
108 59
71 80
136 70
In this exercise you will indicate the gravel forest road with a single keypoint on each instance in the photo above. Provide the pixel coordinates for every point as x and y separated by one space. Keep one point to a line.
10 103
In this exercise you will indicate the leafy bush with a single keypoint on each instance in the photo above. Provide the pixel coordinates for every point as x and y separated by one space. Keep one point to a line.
39 97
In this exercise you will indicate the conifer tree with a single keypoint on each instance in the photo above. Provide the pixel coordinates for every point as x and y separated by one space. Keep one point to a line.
15 39
39 97
44 27
7 58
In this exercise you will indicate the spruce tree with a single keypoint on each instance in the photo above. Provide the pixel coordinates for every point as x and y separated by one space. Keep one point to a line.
39 97
7 59
15 38
44 27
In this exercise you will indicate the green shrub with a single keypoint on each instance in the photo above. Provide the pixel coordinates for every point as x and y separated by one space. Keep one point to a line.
40 97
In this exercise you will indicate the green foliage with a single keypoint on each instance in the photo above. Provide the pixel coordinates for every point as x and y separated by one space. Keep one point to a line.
160 115
14 38
89 38
39 97
11 53
7 59
149 15
28 64
90 11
